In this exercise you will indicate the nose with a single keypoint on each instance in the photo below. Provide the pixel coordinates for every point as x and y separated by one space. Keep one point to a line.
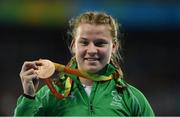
91 49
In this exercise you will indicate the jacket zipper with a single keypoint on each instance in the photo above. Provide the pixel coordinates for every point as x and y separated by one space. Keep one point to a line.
91 98
91 107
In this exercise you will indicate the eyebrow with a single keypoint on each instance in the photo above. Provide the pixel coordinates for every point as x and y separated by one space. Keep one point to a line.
98 39
83 38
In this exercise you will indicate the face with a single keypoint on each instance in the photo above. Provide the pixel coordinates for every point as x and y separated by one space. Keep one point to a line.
93 47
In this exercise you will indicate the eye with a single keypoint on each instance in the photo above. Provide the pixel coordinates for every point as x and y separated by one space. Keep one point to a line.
83 42
101 43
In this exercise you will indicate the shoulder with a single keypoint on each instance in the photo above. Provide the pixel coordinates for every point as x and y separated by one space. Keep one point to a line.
46 97
44 90
134 91
141 104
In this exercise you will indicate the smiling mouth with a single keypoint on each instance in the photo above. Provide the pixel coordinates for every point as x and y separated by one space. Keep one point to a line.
92 59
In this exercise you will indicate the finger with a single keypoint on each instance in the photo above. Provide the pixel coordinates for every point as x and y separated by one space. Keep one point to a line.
28 65
28 72
30 78
38 63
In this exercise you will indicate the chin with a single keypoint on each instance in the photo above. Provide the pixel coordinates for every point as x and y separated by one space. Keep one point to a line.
93 70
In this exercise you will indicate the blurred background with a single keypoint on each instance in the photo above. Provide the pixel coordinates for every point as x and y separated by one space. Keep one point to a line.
30 30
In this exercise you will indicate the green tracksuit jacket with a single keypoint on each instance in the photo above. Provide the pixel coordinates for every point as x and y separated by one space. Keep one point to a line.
104 100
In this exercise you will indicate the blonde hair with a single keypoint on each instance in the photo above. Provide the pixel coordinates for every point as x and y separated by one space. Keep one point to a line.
99 18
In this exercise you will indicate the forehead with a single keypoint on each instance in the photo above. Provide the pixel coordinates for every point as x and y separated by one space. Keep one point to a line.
93 29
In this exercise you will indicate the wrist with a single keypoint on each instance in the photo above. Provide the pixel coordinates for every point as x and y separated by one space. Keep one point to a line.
28 96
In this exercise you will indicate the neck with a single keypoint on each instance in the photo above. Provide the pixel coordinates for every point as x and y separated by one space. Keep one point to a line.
86 82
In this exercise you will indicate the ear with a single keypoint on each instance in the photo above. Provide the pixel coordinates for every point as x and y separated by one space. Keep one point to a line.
72 46
115 47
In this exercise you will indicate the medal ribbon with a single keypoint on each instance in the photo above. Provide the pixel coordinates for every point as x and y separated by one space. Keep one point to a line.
68 82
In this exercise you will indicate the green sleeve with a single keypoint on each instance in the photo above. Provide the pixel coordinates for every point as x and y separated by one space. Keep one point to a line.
29 107
26 107
144 108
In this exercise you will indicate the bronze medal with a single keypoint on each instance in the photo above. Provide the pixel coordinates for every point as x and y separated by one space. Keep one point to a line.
46 69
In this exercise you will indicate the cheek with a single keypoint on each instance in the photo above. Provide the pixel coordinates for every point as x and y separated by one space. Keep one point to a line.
108 50
106 53
79 51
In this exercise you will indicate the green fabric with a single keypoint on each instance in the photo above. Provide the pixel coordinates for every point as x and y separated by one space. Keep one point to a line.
104 100
107 70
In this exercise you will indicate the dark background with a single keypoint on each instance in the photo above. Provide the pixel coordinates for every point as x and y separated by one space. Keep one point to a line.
151 30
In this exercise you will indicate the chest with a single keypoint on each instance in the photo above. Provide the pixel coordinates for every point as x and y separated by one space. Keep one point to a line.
103 100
